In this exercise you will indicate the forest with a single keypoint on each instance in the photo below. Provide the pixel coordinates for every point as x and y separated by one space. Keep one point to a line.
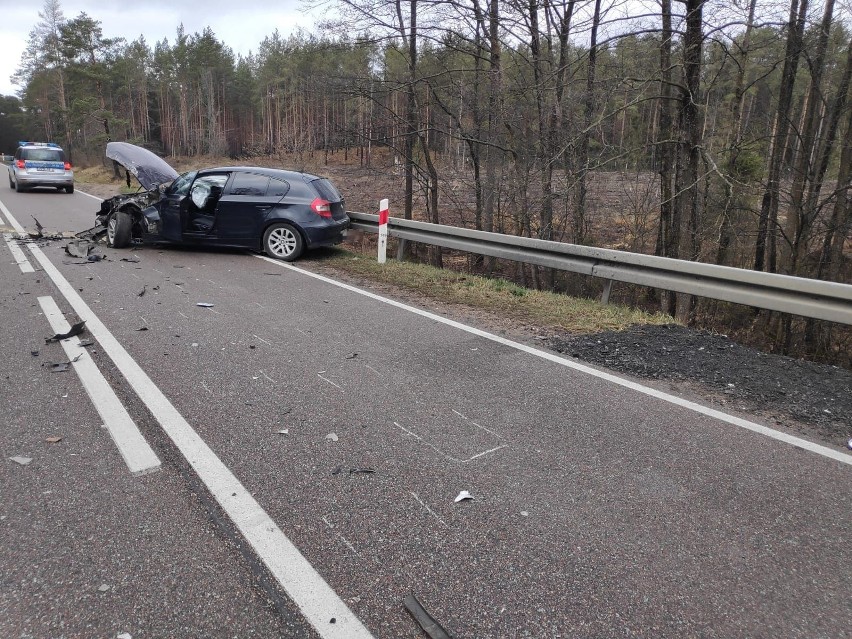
724 127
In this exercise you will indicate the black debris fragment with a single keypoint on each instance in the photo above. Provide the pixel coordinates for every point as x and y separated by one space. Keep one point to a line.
337 470
144 328
132 259
61 367
77 329
352 356
34 353
272 273
95 258
39 229
355 471
426 621
156 288
142 292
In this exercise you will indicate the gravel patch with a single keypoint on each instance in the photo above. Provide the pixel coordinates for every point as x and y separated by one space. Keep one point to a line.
818 397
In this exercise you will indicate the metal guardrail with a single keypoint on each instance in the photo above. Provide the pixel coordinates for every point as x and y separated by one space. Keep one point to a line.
816 299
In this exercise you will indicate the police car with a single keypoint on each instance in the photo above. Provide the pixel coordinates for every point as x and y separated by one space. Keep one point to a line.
40 164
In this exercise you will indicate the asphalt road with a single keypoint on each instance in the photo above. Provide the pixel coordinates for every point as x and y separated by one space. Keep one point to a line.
599 509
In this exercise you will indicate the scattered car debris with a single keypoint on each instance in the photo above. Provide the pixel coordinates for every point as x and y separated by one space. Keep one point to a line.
23 461
356 471
463 495
284 431
205 304
332 437
132 259
524 513
79 248
849 444
61 367
337 470
142 292
103 588
124 635
352 356
34 353
39 229
430 626
156 288
53 440
144 328
77 329
86 342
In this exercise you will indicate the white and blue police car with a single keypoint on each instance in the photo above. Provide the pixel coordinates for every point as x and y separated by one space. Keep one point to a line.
40 164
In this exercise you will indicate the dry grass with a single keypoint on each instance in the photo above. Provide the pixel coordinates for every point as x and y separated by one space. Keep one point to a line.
540 308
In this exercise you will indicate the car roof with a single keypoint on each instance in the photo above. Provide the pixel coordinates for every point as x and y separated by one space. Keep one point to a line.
283 174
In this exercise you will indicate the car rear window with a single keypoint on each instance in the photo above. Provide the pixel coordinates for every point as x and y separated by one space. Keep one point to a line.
43 155
326 190
250 184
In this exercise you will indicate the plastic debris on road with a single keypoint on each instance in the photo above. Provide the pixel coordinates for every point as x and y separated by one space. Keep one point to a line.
356 471
332 437
204 304
463 495
352 356
53 440
849 444
103 588
77 329
284 431
23 461
79 248
132 260
426 621
124 635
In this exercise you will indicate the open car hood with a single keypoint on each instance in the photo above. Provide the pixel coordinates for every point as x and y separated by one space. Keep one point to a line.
148 168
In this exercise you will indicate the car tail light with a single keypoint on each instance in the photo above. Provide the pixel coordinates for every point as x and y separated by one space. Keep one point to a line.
67 166
19 164
321 207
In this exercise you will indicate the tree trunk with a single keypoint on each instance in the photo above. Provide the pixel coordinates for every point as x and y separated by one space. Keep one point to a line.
588 110
766 229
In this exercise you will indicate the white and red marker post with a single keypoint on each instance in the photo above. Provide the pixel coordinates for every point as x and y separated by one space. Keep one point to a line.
384 214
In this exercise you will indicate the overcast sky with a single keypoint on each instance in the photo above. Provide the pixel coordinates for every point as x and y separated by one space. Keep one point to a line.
241 25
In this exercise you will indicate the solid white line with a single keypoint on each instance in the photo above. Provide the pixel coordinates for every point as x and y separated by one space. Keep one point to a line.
819 449
134 448
94 197
20 259
305 586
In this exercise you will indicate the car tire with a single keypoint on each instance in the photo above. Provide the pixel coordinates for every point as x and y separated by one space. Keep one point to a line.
18 187
283 242
69 189
11 184
119 227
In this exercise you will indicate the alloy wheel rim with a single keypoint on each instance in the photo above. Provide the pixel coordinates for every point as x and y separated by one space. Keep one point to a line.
111 229
282 242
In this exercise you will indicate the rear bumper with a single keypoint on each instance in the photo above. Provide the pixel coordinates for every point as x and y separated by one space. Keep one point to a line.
31 178
328 234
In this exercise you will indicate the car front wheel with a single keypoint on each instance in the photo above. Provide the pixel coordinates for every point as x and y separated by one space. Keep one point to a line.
119 227
283 242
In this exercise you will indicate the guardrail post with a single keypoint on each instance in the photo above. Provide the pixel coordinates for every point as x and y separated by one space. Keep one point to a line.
607 290
384 214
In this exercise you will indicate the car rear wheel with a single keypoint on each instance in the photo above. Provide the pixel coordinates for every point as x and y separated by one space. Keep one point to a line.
69 189
283 242
119 227
18 187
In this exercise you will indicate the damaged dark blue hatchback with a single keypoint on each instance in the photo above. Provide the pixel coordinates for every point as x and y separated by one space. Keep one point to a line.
282 213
